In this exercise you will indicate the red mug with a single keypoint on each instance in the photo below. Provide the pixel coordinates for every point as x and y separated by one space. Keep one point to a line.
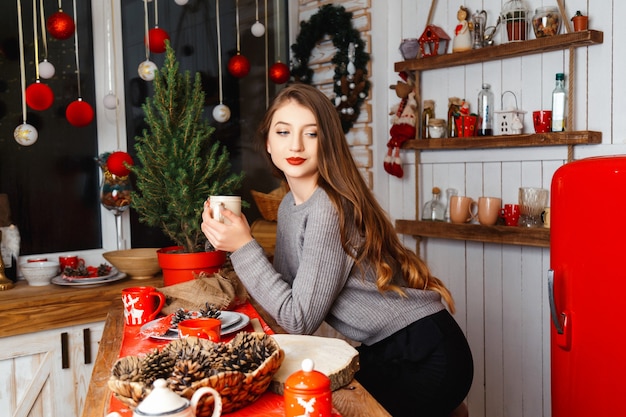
542 121
141 304
70 261
201 327
510 213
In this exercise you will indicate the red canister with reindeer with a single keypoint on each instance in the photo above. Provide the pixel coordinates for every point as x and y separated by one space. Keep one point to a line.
307 393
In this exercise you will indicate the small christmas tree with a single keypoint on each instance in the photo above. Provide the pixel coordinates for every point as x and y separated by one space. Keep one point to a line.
180 164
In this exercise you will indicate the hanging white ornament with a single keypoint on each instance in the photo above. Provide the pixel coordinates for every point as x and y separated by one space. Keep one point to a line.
46 69
25 134
258 29
110 101
181 2
147 70
221 113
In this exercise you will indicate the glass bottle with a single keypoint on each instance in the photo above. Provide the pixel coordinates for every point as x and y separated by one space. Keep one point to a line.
485 111
434 210
427 114
559 99
449 193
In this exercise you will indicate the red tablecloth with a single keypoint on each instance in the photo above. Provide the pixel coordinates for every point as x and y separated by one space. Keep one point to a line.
134 343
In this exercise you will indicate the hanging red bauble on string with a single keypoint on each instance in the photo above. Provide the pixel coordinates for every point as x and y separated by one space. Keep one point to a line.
39 96
157 38
79 113
239 66
60 25
115 163
279 73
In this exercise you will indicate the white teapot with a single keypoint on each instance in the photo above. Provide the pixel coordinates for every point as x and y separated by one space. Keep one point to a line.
164 402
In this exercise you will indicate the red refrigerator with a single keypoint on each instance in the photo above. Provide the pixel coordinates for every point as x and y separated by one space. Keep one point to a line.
587 288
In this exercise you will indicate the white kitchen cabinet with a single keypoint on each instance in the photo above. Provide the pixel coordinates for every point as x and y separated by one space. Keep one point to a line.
47 373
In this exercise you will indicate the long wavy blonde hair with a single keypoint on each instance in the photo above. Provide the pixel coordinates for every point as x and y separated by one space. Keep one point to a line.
360 213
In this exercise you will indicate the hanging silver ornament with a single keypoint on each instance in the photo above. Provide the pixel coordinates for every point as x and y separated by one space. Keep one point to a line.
221 113
258 29
25 134
147 70
110 101
46 69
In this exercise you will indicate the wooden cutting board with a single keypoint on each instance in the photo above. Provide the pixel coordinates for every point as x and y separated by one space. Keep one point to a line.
333 357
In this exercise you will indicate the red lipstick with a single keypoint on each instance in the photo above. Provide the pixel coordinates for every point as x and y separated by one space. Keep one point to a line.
295 160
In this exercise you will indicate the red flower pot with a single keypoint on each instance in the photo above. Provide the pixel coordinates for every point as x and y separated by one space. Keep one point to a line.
180 267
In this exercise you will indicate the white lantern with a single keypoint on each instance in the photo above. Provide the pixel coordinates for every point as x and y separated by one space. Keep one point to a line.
509 120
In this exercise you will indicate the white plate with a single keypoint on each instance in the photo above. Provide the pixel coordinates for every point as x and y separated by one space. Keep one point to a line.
58 280
155 328
111 274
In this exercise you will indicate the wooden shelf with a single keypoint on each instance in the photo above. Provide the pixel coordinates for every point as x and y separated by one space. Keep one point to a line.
507 141
510 235
507 50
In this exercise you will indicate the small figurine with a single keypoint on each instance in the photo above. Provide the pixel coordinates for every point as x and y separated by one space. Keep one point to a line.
463 38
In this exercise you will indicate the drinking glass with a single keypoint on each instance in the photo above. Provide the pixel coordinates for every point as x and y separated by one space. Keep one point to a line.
532 202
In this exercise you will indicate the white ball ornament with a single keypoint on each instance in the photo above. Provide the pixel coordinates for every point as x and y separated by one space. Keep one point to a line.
181 2
147 70
344 98
258 29
25 134
110 101
221 113
46 69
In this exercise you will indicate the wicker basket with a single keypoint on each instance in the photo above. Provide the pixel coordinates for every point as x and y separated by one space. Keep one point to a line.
237 389
268 203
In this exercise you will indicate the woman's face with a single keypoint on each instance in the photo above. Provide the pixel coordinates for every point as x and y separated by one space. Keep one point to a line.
292 141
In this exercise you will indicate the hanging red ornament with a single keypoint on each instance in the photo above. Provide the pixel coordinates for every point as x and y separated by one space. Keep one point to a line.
239 66
39 96
115 163
157 38
279 73
60 25
79 113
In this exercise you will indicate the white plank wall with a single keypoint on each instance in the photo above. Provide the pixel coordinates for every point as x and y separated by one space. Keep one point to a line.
500 290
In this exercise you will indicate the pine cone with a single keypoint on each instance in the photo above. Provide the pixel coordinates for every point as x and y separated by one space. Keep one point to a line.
210 311
178 316
127 369
156 365
185 373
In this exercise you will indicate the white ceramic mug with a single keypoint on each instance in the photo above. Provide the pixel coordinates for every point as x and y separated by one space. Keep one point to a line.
231 202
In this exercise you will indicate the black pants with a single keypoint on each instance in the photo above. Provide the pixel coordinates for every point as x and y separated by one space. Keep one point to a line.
423 370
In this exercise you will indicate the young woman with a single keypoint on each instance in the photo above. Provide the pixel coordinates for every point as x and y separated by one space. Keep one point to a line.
338 259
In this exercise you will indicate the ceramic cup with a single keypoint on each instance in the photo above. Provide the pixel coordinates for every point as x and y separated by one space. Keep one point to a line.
510 213
461 209
542 121
71 261
488 210
202 327
141 304
231 202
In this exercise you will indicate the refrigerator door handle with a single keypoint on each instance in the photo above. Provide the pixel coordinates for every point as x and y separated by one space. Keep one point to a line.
553 313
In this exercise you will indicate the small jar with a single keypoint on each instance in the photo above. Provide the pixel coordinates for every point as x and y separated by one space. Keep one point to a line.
307 393
546 21
436 128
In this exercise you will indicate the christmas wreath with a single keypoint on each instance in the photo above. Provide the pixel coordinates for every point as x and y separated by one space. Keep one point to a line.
351 86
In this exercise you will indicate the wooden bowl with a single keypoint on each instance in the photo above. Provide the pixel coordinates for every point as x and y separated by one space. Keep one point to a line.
138 263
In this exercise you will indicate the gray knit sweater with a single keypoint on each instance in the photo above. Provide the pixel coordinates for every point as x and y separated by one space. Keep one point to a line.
313 279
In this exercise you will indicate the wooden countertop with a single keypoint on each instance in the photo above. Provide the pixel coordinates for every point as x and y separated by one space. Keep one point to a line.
27 309
351 401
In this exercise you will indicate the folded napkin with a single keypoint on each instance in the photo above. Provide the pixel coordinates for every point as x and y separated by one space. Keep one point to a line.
222 289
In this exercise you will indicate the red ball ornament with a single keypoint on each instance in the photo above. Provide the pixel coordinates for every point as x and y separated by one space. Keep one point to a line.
239 66
79 113
115 163
60 25
157 38
279 73
39 96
